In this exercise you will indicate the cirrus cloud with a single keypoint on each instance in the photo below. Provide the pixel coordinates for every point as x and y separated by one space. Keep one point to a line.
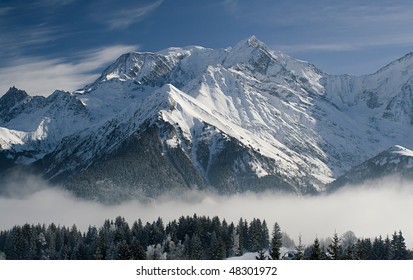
42 75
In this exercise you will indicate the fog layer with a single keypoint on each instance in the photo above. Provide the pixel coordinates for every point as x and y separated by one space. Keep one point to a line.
376 208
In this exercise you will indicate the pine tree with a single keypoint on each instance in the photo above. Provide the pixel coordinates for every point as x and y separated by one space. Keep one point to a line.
276 244
265 241
364 249
91 243
11 247
257 236
155 252
137 251
176 250
123 251
349 252
98 254
378 249
388 252
299 255
196 248
316 253
334 249
216 247
399 247
242 230
187 247
236 248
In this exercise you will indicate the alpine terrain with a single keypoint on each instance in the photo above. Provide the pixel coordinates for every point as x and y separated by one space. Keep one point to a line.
245 118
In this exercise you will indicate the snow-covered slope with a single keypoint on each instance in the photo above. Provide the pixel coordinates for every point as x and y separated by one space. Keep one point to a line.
396 160
33 126
239 118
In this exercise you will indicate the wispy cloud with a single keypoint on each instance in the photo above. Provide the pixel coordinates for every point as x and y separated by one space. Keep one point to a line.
123 18
404 38
15 40
325 26
41 76
231 6
26 27
52 3
315 47
5 10
345 14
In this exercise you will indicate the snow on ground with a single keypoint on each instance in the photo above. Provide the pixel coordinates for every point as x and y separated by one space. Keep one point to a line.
252 255
403 151
9 138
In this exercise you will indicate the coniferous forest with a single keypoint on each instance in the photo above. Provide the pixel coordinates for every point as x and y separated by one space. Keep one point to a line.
189 238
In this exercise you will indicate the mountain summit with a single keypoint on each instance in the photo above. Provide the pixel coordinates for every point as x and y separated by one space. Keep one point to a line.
230 120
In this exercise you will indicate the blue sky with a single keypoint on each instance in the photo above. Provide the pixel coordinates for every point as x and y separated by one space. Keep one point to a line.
65 44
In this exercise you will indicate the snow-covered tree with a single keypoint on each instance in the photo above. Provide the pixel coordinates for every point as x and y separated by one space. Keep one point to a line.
155 252
334 249
299 255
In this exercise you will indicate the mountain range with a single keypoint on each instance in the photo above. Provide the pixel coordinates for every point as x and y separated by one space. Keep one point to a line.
245 118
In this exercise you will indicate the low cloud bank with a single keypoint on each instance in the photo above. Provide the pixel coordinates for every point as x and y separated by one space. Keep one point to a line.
376 208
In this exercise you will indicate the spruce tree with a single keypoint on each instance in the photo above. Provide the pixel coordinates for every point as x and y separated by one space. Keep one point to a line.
349 253
378 249
399 247
265 242
364 249
254 235
316 253
242 230
196 248
334 249
137 251
388 252
236 248
123 251
276 244
299 255
216 250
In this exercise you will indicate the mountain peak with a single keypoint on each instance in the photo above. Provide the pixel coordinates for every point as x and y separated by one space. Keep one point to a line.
406 57
395 161
250 43
252 52
12 97
403 64
15 93
253 41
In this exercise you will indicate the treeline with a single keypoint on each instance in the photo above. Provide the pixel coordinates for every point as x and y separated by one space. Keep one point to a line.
186 238
351 248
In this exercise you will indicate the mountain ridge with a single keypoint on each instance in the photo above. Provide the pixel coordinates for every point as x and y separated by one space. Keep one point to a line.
395 161
270 119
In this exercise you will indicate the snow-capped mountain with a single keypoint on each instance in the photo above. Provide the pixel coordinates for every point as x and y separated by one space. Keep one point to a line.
396 160
235 119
